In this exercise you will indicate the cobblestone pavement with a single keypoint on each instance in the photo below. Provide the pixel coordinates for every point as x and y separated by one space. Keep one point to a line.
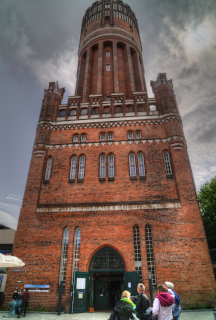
196 315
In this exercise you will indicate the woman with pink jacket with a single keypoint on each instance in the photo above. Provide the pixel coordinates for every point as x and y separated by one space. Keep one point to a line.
162 306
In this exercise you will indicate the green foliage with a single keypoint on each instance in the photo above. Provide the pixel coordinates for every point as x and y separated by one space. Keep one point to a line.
207 200
29 309
41 309
90 300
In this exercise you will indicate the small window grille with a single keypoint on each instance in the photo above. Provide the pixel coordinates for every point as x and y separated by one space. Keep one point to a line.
83 138
167 163
130 135
111 169
48 169
137 251
150 254
108 98
108 67
75 138
102 166
132 164
110 136
62 113
81 167
141 165
107 53
64 255
73 168
102 137
77 240
138 134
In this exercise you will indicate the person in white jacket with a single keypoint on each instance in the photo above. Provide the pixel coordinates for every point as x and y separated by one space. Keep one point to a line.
162 306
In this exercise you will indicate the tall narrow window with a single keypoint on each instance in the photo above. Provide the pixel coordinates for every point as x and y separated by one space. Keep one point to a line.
108 67
73 168
81 167
137 251
141 164
167 163
132 164
150 254
111 168
76 253
102 166
48 169
64 255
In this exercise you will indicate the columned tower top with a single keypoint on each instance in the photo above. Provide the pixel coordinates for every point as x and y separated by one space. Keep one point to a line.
110 52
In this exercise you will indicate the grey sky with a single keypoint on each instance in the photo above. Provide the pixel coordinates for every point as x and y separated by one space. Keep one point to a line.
39 43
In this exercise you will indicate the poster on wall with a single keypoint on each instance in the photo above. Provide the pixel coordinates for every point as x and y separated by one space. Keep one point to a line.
37 287
80 283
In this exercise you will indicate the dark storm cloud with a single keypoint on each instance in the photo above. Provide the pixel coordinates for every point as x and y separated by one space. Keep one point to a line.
190 71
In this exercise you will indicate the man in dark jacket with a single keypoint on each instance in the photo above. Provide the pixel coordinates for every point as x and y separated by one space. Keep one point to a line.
143 302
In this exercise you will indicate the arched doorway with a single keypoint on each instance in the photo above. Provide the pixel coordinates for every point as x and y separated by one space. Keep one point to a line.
107 276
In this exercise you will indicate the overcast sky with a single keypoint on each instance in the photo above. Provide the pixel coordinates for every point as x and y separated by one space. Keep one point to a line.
39 43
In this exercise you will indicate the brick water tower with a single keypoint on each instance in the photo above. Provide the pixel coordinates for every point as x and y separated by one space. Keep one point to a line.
110 198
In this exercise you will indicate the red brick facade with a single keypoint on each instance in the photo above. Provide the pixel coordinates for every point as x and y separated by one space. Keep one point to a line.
106 209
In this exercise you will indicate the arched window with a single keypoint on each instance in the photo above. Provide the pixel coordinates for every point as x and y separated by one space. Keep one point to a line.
141 164
132 164
167 163
73 168
84 112
64 255
102 166
76 251
137 251
48 169
150 254
111 167
61 113
81 167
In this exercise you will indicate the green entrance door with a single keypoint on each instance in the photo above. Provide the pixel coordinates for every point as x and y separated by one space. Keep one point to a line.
80 294
101 295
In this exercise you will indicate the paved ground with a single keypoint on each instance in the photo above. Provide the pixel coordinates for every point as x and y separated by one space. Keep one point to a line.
197 315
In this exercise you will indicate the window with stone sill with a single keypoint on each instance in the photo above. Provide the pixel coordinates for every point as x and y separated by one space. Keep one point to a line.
73 112
84 112
83 138
81 173
141 165
73 168
110 136
61 113
130 135
138 134
132 165
48 169
111 166
75 138
167 164
102 137
64 255
102 166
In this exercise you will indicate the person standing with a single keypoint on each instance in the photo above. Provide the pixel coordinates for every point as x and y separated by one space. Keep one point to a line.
143 302
176 307
162 306
25 303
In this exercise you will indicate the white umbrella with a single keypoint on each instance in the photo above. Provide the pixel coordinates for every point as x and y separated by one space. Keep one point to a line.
10 261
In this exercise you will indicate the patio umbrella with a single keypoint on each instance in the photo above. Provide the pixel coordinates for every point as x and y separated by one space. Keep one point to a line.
10 261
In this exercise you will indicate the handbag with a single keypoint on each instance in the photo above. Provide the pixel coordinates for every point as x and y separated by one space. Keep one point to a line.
148 314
